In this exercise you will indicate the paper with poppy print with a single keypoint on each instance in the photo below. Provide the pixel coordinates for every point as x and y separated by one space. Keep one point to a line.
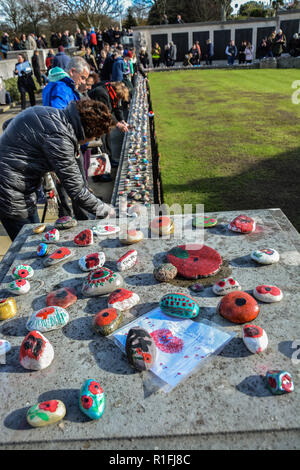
182 345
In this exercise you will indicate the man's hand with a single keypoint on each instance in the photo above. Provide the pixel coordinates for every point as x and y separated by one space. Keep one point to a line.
122 126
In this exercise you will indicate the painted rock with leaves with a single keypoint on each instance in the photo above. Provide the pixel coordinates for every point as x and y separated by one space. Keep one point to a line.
46 413
194 261
100 282
52 236
65 222
92 261
23 271
92 399
140 349
19 287
265 256
36 352
47 319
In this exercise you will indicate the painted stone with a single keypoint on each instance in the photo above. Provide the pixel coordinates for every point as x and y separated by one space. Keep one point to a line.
255 338
162 226
107 321
195 261
238 307
92 261
123 299
92 399
127 261
19 287
279 382
59 255
132 236
5 347
64 297
242 224
47 319
100 282
8 308
179 305
46 413
165 272
224 286
268 294
65 222
140 349
39 229
197 287
51 237
84 238
204 222
166 341
23 271
265 256
36 352
42 250
105 230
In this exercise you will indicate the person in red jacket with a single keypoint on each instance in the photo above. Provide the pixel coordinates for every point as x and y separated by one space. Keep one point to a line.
93 41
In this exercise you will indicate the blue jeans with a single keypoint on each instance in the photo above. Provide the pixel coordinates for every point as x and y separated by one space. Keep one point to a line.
231 60
13 225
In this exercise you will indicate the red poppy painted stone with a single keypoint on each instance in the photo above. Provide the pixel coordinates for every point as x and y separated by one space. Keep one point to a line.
268 294
36 352
64 297
107 321
92 399
242 224
46 413
279 382
195 261
105 230
224 286
47 319
123 299
162 225
19 286
51 237
140 349
84 238
127 261
59 255
132 236
255 338
92 261
238 307
100 282
23 271
65 222
265 256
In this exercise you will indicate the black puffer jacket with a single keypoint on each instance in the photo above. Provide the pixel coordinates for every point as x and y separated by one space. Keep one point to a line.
38 140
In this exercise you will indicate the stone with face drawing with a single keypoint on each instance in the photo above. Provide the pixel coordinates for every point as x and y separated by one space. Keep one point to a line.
140 349
36 352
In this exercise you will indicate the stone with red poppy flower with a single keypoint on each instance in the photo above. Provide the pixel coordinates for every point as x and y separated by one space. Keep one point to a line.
46 413
131 236
23 271
84 238
47 319
162 225
224 286
267 293
242 224
265 256
92 399
36 352
92 261
107 320
255 338
195 261
101 281
140 349
63 297
58 256
123 299
52 236
238 307
19 287
279 382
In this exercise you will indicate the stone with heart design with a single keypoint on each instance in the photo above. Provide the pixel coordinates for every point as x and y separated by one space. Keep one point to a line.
194 261
8 308
92 399
46 413
102 281
19 287
224 286
63 297
140 349
92 261
127 261
58 256
132 236
179 305
5 347
166 341
203 221
165 272
42 250
265 256
107 321
23 271
123 299
279 382
255 338
52 236
242 224
47 319
238 307
162 225
36 352
105 230
84 238
267 293
65 222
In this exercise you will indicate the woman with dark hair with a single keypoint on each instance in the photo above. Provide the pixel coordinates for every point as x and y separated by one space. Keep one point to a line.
41 140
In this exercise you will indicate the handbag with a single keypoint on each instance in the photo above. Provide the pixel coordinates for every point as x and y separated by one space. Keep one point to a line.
99 165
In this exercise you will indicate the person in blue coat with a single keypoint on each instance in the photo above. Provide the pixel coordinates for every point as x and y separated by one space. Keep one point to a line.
118 68
61 59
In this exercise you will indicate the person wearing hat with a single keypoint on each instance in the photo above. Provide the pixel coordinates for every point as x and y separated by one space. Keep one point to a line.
61 59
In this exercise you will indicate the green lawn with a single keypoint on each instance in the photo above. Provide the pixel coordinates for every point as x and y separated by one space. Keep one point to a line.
229 139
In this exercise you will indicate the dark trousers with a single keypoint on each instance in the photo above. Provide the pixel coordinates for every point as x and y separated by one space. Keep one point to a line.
13 225
23 92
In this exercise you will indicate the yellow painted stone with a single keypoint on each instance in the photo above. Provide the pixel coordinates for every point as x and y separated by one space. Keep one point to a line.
8 308
40 229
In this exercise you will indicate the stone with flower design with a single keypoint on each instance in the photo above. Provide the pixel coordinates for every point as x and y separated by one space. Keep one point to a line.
92 261
127 261
23 271
132 236
107 321
46 413
265 256
52 236
165 272
5 347
8 308
47 319
36 352
19 287
279 382
268 294
238 307
84 238
105 230
100 282
224 286
163 225
179 305
195 261
140 349
242 224
255 338
58 256
123 299
63 297
92 399
203 221
65 222
42 250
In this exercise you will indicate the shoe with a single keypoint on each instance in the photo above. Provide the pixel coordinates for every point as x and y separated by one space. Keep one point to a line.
114 163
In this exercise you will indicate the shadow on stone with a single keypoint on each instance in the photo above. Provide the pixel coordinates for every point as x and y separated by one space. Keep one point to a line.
254 386
235 349
109 357
79 329
285 347
17 420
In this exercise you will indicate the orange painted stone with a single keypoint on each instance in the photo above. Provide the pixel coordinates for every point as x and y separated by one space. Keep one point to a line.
107 320
63 297
238 307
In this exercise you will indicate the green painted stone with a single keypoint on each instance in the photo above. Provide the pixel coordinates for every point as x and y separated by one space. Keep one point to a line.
179 305
92 399
204 222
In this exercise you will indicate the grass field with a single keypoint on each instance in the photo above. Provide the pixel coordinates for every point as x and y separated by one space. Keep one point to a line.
229 139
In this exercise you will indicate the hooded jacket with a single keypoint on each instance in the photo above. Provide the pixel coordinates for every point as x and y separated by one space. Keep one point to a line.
60 89
38 140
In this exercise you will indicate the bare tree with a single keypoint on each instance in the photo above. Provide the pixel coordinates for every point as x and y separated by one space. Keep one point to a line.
12 14
88 13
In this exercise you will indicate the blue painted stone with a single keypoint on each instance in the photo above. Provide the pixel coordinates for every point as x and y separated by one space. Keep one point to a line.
92 399
42 249
279 382
179 305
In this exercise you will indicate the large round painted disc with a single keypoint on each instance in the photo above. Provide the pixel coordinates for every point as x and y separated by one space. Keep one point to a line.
195 261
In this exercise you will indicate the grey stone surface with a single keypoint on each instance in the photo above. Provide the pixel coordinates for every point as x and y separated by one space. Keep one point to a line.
223 405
